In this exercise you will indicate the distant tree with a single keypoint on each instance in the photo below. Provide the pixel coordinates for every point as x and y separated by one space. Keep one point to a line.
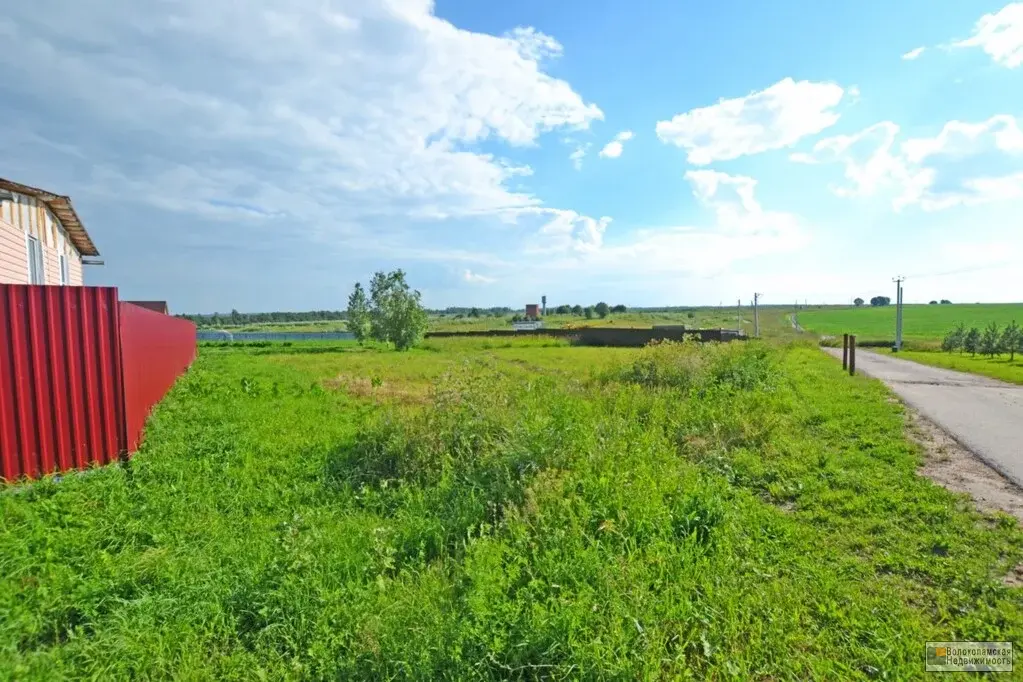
945 301
358 314
396 314
971 342
602 309
1012 340
577 309
878 301
933 303
563 310
691 315
475 312
991 340
619 309
953 341
588 312
518 317
858 302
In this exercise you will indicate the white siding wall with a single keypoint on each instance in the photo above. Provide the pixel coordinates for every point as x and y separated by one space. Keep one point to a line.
26 216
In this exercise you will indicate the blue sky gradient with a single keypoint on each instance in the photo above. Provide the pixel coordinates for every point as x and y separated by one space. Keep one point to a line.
266 156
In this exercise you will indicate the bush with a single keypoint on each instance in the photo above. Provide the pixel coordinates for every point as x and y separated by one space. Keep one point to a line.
991 340
953 341
690 366
971 342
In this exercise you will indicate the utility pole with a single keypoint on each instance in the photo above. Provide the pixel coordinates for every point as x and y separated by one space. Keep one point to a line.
756 315
738 315
898 311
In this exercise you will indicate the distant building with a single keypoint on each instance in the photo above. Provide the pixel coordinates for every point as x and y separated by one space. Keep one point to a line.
533 310
42 240
155 306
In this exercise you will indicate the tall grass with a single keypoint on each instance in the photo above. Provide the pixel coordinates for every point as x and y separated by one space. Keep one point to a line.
715 512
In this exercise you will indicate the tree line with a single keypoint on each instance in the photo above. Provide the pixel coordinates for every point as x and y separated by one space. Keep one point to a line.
990 341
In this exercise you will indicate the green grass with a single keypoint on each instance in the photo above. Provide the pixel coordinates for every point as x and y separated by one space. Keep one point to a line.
925 323
521 511
999 367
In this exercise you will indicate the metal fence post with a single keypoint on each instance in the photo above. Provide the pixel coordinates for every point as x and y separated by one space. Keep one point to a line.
845 352
852 355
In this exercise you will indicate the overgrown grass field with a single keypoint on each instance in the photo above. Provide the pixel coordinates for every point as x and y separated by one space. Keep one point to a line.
924 323
525 510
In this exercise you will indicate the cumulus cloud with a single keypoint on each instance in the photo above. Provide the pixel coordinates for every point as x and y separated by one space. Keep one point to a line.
1000 35
613 149
476 278
776 117
349 125
964 164
914 53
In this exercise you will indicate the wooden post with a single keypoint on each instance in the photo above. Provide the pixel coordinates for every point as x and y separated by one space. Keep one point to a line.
852 355
845 352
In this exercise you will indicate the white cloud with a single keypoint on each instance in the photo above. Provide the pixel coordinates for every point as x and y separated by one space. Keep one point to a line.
914 53
564 230
964 164
577 156
1000 35
769 119
338 123
613 149
476 278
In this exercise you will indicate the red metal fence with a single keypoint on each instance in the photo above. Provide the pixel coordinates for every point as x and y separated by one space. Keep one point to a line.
79 372
155 350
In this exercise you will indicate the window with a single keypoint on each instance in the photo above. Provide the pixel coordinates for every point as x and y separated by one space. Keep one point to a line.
65 276
35 262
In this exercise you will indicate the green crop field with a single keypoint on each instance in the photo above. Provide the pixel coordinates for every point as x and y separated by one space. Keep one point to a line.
495 508
927 323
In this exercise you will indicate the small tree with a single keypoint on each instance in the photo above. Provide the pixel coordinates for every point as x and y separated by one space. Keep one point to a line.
1012 340
475 312
858 302
619 309
933 303
971 342
396 314
602 309
563 310
880 301
991 340
588 312
577 309
358 314
954 339
945 301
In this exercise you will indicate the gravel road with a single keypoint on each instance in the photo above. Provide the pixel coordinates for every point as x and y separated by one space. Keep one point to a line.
983 414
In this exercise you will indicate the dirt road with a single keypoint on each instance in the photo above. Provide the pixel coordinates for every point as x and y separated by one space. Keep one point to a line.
983 414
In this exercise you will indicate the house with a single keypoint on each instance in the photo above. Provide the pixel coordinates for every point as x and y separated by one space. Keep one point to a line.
533 311
42 240
155 306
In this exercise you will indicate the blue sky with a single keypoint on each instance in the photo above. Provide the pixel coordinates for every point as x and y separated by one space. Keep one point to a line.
266 155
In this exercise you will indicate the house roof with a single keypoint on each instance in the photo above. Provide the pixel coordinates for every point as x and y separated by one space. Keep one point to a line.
61 207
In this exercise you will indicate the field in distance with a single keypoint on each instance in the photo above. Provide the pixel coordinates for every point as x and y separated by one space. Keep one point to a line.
926 323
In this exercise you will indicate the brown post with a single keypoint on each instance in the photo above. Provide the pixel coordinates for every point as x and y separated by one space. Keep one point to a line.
845 352
852 355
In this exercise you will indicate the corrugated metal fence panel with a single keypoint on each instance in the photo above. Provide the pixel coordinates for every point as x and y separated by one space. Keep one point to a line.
61 390
155 349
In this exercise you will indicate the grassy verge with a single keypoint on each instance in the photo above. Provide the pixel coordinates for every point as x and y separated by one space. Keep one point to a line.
999 367
725 512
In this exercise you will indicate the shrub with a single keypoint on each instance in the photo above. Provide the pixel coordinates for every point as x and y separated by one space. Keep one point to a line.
991 340
971 342
953 341
1012 340
689 366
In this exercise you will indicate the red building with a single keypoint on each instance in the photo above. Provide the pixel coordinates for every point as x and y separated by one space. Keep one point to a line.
533 310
